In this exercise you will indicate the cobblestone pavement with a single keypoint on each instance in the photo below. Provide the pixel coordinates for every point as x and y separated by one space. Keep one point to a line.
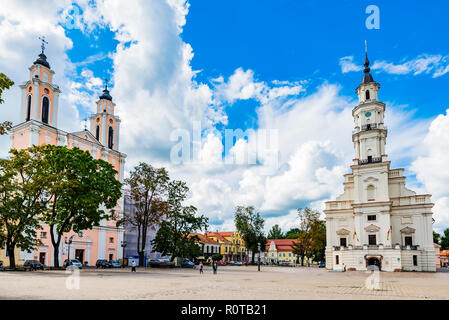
231 282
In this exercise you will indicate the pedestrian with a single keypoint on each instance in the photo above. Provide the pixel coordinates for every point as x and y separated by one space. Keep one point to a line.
344 268
133 266
215 266
201 268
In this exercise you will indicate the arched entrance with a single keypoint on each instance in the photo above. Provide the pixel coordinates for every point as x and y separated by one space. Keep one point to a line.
373 263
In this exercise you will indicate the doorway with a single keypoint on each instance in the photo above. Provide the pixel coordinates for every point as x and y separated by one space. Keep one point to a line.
111 256
373 264
42 257
79 255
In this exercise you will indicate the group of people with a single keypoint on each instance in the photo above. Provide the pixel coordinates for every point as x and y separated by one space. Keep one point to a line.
214 267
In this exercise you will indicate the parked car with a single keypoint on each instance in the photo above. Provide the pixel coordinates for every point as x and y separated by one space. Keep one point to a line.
161 263
72 262
186 263
33 265
221 263
115 264
237 263
103 264
322 265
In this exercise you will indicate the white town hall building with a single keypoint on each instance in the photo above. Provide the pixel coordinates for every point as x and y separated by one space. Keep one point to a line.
377 221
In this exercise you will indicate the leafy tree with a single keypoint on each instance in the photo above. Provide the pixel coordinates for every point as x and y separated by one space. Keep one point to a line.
79 185
436 237
21 190
445 240
318 235
275 233
250 226
292 233
312 235
217 257
179 222
147 186
5 83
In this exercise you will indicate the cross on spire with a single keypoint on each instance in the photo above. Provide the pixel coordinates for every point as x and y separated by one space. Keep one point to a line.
106 80
43 43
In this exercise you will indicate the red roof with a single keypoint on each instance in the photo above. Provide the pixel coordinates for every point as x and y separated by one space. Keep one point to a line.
218 235
203 238
281 244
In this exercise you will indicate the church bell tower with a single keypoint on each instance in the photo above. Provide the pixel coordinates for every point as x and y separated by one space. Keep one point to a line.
104 124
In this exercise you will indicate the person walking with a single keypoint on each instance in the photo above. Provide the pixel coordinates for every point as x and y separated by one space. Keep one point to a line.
215 267
201 268
133 266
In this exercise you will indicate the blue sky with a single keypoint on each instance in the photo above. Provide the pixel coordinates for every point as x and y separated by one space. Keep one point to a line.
292 66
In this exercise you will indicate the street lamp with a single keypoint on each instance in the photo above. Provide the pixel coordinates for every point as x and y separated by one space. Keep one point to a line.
69 242
123 244
258 249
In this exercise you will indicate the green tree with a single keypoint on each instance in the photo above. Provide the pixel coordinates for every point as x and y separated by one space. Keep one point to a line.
79 186
173 237
5 83
250 226
445 240
217 257
147 186
311 239
436 237
292 233
21 189
275 233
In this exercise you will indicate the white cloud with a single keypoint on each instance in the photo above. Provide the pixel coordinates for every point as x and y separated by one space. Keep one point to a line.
432 169
437 65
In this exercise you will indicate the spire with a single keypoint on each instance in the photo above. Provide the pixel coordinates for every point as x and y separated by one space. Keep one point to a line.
367 77
106 94
42 60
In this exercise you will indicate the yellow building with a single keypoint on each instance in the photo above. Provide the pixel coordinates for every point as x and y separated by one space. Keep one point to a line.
232 246
4 259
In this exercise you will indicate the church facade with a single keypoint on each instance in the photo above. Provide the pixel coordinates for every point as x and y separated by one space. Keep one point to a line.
377 223
39 125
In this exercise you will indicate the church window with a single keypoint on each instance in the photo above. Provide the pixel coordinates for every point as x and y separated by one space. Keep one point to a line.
372 240
111 138
415 260
371 193
343 242
337 259
45 107
97 133
372 217
111 240
367 94
28 108
46 91
29 89
408 241
44 77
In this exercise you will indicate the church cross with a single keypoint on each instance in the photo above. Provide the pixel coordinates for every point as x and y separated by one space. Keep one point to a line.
43 43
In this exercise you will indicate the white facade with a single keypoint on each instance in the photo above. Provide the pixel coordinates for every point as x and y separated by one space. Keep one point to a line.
377 221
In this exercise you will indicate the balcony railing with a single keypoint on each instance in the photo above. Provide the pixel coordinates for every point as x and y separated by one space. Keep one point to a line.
370 160
370 126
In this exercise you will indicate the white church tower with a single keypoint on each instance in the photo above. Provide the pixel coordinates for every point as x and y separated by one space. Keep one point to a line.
377 222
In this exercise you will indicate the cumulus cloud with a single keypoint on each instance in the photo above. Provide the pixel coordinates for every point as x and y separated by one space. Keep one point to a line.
436 65
431 167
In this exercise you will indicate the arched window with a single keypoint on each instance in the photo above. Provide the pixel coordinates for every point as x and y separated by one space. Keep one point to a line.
97 133
367 94
371 192
28 108
111 138
45 107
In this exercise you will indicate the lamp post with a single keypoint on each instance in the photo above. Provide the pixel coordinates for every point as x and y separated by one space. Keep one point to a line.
258 249
123 244
69 242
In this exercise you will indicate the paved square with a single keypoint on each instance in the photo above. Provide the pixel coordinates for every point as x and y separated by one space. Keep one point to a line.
231 282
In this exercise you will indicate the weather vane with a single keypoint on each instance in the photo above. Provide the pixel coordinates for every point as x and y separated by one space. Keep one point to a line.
366 47
43 43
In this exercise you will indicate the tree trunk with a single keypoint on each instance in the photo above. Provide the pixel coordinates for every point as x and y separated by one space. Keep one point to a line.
253 256
141 258
55 245
12 258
